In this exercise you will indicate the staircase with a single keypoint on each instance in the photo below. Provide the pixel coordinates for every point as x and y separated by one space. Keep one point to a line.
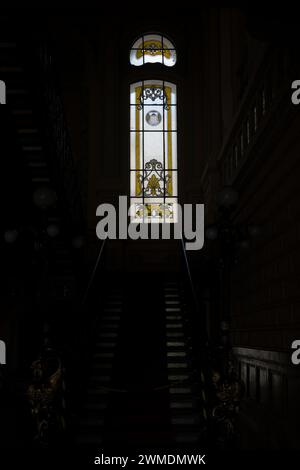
142 389
186 406
98 391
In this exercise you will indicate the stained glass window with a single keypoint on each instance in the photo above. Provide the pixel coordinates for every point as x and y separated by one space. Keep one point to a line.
153 48
153 151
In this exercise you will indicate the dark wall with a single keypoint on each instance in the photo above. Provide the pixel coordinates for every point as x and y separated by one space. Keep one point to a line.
263 167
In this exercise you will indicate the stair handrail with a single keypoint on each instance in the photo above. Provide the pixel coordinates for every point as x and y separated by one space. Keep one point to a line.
188 270
93 273
203 349
193 289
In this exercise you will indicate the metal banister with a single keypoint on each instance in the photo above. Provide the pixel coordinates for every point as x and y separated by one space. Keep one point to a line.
93 272
195 298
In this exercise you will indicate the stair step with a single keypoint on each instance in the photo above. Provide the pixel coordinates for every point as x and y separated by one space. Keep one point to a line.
181 363
172 302
95 406
174 325
11 69
32 148
173 309
176 344
37 164
22 112
99 365
100 379
172 334
177 354
89 440
106 345
185 420
177 405
178 377
108 335
106 327
7 45
37 174
188 438
96 392
92 421
103 355
27 131
112 309
17 91
44 179
180 390
174 317
110 318
177 365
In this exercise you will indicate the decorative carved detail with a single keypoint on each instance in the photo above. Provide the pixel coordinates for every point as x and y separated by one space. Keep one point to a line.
45 395
228 391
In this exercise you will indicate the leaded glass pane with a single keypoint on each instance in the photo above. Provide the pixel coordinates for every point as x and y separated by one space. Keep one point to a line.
153 149
153 48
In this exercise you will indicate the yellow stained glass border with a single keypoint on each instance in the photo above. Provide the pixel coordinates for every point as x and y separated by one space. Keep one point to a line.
138 92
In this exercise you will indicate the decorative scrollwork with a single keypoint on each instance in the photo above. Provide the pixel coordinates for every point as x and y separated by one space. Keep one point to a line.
154 94
155 180
153 165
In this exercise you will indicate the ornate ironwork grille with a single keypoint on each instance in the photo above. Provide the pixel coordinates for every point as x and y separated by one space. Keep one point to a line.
153 151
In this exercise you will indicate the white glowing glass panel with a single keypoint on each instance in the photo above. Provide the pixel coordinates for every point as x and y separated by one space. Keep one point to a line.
153 48
153 150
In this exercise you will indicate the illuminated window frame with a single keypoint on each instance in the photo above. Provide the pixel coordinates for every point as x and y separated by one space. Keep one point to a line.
153 151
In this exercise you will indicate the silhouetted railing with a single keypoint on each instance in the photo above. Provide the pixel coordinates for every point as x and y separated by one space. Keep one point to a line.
191 289
197 334
93 274
189 276
266 100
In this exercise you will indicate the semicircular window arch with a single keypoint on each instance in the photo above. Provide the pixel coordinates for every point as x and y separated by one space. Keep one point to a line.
153 48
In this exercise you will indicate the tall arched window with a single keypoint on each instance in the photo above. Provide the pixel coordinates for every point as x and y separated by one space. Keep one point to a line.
153 150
